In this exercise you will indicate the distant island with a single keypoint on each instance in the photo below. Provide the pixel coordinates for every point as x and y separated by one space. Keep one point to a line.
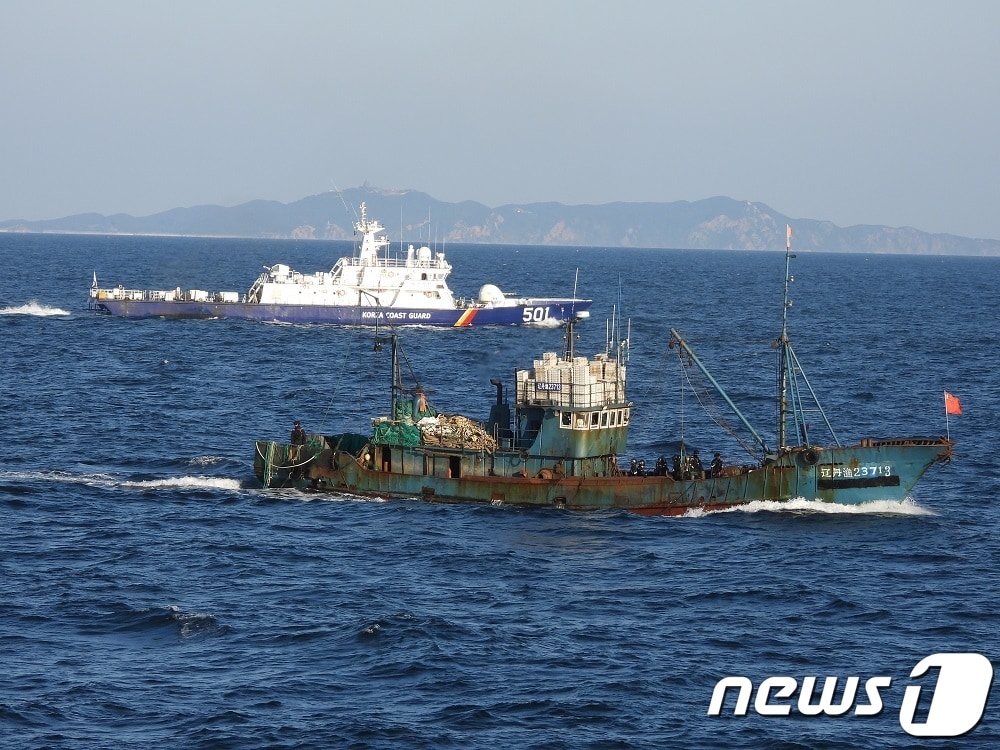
412 216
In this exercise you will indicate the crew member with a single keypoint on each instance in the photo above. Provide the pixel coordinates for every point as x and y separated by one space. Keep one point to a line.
716 466
298 435
697 470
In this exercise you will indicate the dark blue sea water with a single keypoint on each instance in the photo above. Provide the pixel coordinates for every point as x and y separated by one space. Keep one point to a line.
154 596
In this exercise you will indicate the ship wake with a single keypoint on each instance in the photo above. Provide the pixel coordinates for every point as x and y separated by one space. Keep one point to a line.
801 506
194 482
33 309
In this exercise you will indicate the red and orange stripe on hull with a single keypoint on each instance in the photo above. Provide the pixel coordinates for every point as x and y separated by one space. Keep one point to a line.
466 318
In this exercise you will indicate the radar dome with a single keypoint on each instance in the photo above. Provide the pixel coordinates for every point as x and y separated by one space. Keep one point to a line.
490 293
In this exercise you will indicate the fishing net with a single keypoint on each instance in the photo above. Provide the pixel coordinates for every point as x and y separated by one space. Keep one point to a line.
398 433
456 432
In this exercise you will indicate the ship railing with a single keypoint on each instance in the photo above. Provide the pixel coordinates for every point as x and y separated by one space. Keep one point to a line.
254 294
120 293
905 442
571 395
392 262
165 295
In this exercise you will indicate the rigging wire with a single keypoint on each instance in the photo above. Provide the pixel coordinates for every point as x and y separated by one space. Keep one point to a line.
703 394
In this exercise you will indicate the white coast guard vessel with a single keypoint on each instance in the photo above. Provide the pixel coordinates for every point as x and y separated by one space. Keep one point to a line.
371 288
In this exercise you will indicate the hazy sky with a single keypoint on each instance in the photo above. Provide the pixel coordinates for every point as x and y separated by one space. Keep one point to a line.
868 112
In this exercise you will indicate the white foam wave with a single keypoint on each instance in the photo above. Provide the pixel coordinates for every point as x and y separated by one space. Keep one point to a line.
800 505
106 480
291 493
55 476
186 482
345 497
205 460
34 309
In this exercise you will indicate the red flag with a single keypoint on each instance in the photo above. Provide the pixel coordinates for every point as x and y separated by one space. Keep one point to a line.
951 404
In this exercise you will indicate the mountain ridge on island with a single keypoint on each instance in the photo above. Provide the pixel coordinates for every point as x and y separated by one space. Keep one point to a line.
718 223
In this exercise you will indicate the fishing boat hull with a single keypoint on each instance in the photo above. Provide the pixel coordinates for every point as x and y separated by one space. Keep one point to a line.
532 311
870 471
560 444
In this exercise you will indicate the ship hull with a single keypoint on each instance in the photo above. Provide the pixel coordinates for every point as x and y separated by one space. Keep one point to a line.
532 312
870 471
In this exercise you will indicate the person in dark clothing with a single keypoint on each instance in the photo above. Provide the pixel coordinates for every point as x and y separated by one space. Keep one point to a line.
298 435
716 467
697 470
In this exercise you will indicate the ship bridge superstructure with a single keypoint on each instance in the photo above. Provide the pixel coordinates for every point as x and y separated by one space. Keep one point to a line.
572 406
372 278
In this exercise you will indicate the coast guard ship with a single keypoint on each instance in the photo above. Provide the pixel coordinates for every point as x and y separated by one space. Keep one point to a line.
371 288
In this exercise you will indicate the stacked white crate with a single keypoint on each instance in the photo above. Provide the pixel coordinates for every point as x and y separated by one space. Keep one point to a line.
583 383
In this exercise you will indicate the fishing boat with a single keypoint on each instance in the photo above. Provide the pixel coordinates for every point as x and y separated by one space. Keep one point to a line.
371 287
560 444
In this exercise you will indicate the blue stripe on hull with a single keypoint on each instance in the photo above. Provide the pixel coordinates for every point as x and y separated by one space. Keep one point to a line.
544 311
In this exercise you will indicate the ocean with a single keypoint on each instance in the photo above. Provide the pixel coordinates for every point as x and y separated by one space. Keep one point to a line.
154 595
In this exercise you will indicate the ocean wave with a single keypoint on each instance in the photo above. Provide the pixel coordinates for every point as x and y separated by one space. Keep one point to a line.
34 309
205 460
194 482
800 505
107 480
292 493
170 621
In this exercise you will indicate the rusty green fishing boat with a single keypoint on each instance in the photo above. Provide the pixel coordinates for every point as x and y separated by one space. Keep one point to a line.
559 445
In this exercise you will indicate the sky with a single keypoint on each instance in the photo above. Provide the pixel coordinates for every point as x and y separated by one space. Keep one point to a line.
879 112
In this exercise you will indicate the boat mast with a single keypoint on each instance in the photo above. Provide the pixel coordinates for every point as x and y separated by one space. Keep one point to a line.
790 396
397 377
569 347
782 344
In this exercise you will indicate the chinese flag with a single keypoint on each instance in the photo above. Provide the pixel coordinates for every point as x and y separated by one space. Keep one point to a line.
951 404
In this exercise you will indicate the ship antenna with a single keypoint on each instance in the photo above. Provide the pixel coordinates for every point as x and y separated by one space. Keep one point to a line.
568 337
616 325
570 329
